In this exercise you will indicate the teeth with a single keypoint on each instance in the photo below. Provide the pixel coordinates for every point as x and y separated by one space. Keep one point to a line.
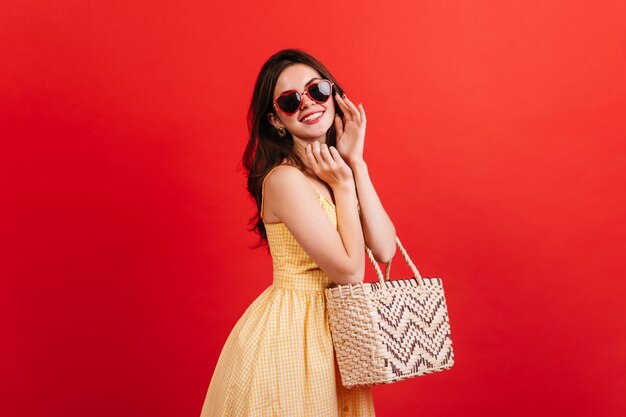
312 117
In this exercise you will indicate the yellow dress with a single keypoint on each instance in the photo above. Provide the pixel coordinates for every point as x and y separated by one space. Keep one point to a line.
279 358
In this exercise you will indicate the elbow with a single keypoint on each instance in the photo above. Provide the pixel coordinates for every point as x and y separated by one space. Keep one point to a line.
385 255
389 251
348 279
384 249
351 276
355 279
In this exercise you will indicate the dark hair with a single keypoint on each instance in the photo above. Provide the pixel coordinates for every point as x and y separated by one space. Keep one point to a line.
266 148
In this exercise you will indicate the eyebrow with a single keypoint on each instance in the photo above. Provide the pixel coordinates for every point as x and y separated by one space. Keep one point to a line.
305 85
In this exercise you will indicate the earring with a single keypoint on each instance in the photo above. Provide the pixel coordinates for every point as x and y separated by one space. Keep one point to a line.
282 132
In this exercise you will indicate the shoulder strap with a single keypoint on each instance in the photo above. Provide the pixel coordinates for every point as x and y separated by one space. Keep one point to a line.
263 188
314 186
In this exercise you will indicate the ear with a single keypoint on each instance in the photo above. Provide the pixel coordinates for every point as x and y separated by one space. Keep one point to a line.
274 121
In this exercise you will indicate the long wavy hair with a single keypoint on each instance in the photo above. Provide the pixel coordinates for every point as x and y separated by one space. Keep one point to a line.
266 148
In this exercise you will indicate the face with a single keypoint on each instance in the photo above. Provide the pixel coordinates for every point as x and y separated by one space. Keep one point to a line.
297 77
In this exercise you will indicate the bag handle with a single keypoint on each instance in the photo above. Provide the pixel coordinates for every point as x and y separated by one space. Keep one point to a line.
379 272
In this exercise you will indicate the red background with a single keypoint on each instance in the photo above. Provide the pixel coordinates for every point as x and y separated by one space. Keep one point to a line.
495 140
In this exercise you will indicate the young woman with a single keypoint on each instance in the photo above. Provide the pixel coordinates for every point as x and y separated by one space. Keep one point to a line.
316 209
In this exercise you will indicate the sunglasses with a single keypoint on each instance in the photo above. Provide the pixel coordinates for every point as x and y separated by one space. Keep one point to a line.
290 101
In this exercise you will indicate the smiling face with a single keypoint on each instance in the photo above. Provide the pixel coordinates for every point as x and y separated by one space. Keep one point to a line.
312 120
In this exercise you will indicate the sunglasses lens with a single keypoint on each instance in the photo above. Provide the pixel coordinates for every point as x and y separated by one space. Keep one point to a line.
289 103
320 91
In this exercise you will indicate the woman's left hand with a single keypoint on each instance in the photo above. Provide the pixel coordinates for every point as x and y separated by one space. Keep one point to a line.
351 134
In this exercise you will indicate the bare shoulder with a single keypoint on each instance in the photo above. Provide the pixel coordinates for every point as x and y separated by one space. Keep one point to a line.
283 178
286 188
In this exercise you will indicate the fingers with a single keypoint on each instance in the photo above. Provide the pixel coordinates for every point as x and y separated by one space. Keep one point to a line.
347 111
327 163
336 156
355 112
310 157
362 112
350 111
326 154
319 155
338 125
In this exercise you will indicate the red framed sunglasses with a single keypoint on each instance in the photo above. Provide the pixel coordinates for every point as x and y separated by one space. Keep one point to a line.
290 101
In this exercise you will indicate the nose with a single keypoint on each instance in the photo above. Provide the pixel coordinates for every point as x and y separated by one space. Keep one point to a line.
309 102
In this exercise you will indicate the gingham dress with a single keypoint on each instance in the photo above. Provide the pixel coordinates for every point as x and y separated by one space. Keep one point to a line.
279 359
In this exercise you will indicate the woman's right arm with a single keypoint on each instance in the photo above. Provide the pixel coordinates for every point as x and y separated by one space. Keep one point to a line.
351 233
340 252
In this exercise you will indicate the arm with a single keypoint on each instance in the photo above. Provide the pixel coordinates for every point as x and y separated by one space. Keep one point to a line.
338 252
350 230
380 233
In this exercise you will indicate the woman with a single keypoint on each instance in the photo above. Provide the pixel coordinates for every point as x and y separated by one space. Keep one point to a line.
316 209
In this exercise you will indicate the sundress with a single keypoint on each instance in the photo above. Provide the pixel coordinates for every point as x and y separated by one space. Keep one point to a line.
279 358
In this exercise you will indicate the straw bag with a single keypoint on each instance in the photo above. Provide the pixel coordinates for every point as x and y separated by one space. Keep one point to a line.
387 331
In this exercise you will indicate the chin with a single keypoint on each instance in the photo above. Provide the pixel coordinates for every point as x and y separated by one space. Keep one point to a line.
324 126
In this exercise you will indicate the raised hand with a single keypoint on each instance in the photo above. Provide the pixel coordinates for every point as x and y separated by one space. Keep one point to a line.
328 165
351 132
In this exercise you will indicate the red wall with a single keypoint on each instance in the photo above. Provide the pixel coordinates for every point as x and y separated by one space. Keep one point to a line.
495 140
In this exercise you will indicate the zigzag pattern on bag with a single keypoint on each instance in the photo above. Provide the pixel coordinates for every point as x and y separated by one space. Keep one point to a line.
383 335
415 339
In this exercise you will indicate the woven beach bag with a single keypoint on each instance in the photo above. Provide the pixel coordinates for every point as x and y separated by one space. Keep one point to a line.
389 330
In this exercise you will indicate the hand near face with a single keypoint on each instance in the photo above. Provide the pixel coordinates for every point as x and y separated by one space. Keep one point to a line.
328 164
351 132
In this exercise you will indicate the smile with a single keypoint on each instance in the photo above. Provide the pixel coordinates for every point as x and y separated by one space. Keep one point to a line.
313 117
